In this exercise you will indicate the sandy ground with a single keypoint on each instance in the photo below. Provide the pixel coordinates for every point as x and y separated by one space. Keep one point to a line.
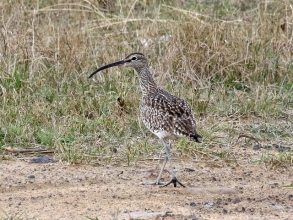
216 190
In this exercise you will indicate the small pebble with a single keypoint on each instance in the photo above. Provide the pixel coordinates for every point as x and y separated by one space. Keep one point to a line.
192 204
256 147
41 159
267 147
235 200
282 148
209 204
31 176
189 169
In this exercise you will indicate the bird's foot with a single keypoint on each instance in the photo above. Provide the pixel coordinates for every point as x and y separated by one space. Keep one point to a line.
153 183
173 180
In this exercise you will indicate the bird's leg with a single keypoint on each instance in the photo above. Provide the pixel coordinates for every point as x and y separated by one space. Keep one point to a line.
167 157
174 179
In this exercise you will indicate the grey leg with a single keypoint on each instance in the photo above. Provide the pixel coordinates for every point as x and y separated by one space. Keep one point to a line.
174 179
167 157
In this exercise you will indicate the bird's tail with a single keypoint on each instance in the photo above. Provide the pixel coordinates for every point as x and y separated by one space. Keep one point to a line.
195 137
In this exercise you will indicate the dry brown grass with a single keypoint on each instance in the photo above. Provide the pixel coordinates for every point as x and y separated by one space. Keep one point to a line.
232 60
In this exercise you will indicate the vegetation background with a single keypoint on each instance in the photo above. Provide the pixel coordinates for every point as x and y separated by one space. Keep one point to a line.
231 60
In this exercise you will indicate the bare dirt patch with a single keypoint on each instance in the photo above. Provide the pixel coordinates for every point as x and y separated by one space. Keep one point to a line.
216 190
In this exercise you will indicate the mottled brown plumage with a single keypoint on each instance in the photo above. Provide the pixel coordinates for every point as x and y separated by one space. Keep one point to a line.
165 115
168 116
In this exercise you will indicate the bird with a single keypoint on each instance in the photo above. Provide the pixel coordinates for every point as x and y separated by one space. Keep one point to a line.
165 115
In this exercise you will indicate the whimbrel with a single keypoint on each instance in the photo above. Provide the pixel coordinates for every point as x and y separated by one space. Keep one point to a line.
165 115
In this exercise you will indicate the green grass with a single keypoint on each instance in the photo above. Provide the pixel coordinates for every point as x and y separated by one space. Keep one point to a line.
275 160
231 61
17 216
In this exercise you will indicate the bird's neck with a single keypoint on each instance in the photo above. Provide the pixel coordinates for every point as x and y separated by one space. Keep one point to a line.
146 81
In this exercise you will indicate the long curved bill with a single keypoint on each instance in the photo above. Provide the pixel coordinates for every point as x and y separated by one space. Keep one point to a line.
121 62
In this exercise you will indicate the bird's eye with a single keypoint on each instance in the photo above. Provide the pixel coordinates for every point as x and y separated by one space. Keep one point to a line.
134 58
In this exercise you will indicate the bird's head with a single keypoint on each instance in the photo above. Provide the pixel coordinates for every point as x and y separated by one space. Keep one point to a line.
134 60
